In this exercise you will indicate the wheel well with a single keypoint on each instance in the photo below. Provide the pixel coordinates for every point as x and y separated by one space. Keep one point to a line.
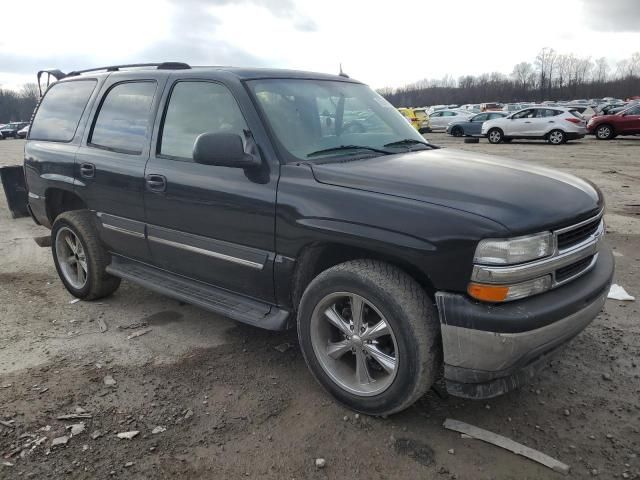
317 258
60 201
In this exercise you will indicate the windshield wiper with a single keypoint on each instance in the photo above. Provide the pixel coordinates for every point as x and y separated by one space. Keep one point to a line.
409 141
347 147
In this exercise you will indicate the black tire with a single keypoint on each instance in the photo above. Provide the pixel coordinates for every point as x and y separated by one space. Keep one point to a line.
605 132
407 310
457 131
556 137
495 135
98 282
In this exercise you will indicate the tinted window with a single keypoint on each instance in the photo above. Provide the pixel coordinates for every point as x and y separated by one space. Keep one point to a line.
123 120
196 108
60 111
480 118
525 114
436 114
495 115
633 111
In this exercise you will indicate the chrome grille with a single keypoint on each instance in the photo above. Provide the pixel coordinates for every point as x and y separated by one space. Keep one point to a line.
567 239
566 273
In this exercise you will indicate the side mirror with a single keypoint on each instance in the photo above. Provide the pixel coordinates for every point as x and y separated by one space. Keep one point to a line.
223 150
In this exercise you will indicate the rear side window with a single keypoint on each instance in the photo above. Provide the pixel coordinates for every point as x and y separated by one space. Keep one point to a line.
59 113
123 120
195 108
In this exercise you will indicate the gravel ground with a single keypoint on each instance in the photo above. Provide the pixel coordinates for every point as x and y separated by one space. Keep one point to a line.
234 406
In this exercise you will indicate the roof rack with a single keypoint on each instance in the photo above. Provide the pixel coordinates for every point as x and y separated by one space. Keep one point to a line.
115 68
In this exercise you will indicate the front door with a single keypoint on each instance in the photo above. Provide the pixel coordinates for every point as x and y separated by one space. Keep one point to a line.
629 122
209 223
521 123
111 159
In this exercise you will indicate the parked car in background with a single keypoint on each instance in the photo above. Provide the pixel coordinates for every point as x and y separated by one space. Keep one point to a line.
585 110
417 117
11 129
512 107
554 124
1 136
22 133
435 108
441 118
606 127
490 106
472 126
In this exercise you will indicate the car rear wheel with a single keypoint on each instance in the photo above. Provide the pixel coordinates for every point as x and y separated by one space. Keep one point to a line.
495 135
370 336
604 132
79 256
556 137
457 131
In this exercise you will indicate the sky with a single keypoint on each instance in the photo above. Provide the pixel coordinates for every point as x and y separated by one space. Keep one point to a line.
384 43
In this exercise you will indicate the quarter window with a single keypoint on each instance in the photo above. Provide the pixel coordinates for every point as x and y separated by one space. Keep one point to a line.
195 108
123 120
59 113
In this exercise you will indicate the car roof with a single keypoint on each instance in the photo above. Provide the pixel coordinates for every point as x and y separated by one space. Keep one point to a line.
242 73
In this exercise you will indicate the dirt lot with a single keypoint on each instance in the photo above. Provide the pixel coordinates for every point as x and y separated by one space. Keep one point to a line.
234 406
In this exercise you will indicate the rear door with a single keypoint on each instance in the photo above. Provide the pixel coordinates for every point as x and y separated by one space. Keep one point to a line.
206 222
110 162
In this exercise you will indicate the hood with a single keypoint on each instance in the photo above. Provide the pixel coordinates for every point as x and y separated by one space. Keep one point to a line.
522 197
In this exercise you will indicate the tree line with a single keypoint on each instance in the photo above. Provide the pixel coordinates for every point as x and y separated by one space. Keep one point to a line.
18 106
551 76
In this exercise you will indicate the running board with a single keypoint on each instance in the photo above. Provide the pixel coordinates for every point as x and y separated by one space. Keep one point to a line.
210 298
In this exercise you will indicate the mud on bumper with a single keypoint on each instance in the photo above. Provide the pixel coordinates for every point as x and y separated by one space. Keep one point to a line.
492 349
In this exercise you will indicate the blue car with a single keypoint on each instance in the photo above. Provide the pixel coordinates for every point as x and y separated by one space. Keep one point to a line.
472 127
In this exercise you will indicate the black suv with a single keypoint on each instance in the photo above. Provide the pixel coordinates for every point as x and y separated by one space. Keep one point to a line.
264 196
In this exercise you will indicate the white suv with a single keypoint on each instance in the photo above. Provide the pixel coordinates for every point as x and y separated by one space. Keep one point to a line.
554 124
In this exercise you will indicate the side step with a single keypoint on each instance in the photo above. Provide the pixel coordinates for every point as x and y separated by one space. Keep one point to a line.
220 301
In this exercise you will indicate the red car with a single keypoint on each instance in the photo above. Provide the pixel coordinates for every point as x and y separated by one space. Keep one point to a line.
606 127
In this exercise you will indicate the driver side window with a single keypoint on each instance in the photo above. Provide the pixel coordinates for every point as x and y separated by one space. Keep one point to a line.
529 113
197 107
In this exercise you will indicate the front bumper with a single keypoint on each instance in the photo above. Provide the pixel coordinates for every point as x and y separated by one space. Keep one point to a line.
491 349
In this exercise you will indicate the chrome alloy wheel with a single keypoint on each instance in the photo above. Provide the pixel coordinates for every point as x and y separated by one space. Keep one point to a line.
354 343
603 132
556 137
495 136
71 257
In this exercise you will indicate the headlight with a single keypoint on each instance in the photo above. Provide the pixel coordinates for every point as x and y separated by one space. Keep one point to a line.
509 251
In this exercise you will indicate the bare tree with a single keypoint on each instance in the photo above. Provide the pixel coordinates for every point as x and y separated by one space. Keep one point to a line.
545 64
601 70
522 73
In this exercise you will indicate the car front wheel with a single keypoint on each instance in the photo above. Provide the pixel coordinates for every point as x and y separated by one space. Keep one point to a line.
369 334
495 135
604 132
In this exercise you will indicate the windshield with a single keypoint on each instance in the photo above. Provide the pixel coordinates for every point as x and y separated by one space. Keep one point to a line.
310 116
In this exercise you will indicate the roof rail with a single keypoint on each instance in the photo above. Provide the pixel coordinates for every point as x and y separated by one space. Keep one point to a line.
115 68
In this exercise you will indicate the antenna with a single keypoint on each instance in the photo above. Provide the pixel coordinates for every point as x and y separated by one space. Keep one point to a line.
342 74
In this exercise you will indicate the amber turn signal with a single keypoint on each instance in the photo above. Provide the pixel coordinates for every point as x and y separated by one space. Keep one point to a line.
488 293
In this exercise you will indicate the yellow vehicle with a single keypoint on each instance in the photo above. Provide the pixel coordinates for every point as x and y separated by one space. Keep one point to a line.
417 117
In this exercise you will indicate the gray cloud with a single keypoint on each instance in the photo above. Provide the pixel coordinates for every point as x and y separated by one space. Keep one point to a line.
612 15
285 9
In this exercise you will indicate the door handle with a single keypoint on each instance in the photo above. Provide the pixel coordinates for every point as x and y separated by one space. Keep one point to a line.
527 122
87 170
551 121
156 183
